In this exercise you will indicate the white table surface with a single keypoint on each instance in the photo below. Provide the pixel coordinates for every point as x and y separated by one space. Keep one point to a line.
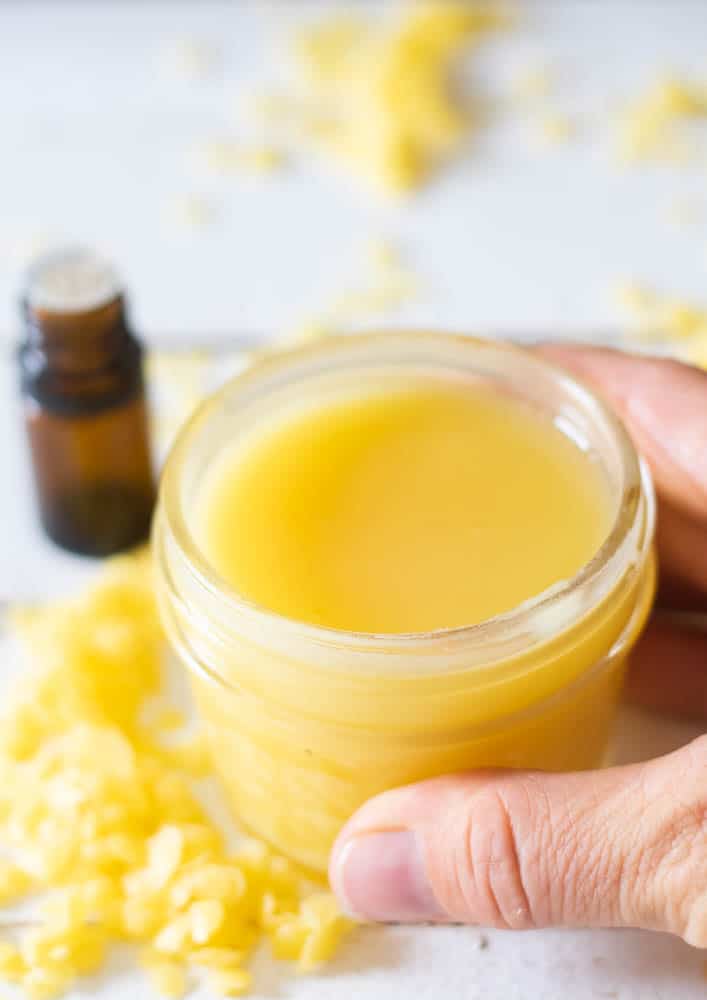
95 142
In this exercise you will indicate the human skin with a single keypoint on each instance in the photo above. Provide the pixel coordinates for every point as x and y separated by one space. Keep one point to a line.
622 847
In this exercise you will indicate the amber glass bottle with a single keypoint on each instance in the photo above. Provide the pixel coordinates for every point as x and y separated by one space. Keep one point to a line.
82 384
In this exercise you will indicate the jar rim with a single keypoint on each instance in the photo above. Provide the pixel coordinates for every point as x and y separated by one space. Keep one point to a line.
636 496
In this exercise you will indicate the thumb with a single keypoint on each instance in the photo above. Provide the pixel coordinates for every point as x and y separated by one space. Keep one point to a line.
621 847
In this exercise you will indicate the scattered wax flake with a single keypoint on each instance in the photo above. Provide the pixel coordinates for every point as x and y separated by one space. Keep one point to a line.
230 982
678 325
45 984
651 129
384 256
310 330
556 129
664 315
12 964
530 89
189 58
221 155
190 211
104 826
227 156
362 304
275 110
263 159
697 351
532 83
328 51
388 285
636 298
14 882
166 718
377 93
168 978
217 958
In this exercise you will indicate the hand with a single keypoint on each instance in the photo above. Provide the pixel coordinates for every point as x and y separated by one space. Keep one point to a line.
623 847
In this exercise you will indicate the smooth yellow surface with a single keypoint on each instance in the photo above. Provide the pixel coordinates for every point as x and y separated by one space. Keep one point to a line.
426 507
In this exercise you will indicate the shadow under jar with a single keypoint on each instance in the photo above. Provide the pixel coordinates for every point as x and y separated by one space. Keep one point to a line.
307 722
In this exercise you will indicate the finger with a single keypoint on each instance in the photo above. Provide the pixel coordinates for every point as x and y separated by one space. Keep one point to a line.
664 406
669 669
622 847
682 543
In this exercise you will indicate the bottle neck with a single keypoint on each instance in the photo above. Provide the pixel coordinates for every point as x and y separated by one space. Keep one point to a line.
77 363
77 342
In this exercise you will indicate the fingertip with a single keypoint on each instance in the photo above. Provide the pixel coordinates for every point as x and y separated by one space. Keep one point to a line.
337 879
382 876
378 865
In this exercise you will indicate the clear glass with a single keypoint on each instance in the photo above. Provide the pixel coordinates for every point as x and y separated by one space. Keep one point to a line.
306 723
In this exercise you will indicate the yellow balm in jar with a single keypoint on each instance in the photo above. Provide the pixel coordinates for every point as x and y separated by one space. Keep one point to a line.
419 506
393 556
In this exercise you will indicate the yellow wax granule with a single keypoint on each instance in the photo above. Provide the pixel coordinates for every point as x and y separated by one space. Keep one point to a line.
189 57
379 93
101 825
532 83
556 129
433 505
388 284
229 156
668 321
650 129
190 211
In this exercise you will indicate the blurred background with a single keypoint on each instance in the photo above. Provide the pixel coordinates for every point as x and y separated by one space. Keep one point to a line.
266 171
143 128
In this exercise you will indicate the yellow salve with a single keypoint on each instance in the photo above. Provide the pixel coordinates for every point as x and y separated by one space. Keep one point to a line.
393 556
423 507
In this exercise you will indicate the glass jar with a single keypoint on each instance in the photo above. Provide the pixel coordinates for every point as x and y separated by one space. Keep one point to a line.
306 723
